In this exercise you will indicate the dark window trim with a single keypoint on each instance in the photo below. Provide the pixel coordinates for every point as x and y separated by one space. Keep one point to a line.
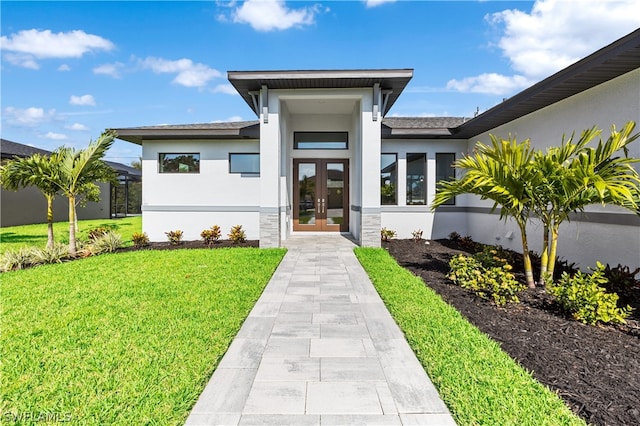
344 138
160 171
243 172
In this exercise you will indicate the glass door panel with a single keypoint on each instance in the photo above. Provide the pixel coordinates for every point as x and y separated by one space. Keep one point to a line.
335 194
307 193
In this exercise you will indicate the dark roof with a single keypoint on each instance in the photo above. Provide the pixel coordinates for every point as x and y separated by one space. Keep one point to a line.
614 60
13 149
225 130
393 80
419 127
10 149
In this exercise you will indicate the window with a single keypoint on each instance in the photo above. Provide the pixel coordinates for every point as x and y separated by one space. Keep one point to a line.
179 163
388 179
320 140
245 163
416 182
445 170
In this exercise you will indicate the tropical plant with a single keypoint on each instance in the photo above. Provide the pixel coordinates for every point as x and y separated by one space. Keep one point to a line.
174 237
211 235
237 234
140 239
41 171
79 170
501 172
387 234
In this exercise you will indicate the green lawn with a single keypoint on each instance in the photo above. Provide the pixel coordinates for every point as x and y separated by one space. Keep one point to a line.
479 382
13 237
128 338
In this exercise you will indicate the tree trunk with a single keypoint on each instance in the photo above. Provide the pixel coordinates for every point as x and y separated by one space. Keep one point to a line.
50 238
72 226
528 270
544 256
553 250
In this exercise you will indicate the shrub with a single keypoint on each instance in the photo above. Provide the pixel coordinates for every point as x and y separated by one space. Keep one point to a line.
454 236
494 282
416 235
56 254
621 279
175 237
387 234
107 243
584 297
97 232
212 235
140 239
13 260
237 234
493 256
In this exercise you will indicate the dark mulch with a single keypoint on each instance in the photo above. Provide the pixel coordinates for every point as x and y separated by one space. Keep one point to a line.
596 370
191 245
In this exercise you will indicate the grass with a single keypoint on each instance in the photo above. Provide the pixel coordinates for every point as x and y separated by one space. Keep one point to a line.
128 338
479 382
14 237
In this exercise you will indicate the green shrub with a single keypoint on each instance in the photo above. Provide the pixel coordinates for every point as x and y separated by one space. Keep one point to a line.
584 297
175 237
107 243
13 260
492 256
98 231
140 239
387 234
237 234
495 282
621 279
56 254
211 235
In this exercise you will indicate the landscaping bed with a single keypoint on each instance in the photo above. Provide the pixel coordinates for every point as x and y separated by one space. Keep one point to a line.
596 370
198 244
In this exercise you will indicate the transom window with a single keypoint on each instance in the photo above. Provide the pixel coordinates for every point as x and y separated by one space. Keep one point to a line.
179 162
320 140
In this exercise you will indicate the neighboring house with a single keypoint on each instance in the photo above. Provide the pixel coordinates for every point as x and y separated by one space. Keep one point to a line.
28 205
323 158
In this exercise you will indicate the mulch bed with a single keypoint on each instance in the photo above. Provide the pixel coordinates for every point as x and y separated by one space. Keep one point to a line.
191 245
596 370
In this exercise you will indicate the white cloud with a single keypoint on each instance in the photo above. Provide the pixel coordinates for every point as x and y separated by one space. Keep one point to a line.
82 100
78 127
552 36
23 48
187 72
269 15
64 67
230 119
227 89
55 136
112 70
28 117
374 3
490 83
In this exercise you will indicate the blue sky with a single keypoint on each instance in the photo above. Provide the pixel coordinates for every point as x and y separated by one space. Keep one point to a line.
71 69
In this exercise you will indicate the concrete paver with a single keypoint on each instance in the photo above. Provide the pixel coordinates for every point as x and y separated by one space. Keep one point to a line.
320 348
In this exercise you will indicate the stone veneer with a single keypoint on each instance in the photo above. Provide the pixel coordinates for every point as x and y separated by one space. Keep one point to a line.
370 234
269 230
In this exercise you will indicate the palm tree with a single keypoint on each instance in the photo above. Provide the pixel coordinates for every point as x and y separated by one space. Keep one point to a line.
79 169
501 172
41 171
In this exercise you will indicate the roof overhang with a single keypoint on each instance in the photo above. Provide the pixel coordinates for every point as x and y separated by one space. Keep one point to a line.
393 81
614 60
227 130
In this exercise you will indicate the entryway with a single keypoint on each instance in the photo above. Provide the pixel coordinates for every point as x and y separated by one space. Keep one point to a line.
321 195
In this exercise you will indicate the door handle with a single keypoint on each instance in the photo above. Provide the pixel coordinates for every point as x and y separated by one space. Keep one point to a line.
323 206
318 206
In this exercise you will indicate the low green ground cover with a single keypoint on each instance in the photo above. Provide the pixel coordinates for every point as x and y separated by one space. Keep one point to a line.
128 338
479 382
14 237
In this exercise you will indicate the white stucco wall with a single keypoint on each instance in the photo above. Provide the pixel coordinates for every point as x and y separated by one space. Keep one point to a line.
194 202
403 218
614 102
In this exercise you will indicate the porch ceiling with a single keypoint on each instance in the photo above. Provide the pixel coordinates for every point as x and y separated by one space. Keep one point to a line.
389 79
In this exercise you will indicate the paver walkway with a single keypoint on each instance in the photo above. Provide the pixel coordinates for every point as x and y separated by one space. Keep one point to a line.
319 348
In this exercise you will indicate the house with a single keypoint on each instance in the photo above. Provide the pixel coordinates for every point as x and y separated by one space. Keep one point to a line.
28 205
323 157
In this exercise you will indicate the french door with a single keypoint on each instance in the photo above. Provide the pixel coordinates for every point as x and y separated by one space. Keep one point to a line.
320 195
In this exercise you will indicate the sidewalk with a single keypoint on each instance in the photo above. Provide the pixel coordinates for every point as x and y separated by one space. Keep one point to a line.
319 348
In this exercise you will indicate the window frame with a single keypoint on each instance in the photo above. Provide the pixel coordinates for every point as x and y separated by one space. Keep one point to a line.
253 173
177 172
451 202
423 155
344 135
394 183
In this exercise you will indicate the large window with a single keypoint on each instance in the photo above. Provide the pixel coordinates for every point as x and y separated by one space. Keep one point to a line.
388 179
179 163
445 170
320 140
416 182
245 163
